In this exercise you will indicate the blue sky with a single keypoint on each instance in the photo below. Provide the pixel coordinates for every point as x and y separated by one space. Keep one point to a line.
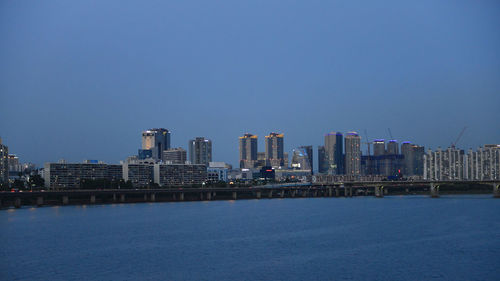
82 79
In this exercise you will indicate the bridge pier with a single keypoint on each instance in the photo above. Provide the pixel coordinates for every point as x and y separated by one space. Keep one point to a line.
337 191
92 199
145 197
330 192
39 201
496 190
282 193
235 195
209 196
114 197
153 197
315 193
65 200
201 196
181 196
258 194
270 194
379 191
17 202
350 191
434 190
304 193
292 193
122 198
386 190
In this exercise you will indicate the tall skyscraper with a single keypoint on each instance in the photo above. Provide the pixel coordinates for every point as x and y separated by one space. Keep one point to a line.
156 140
413 159
274 150
248 151
322 160
302 158
392 147
378 147
352 154
335 152
4 163
200 151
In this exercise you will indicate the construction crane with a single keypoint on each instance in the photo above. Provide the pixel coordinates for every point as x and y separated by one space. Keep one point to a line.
458 138
390 133
367 143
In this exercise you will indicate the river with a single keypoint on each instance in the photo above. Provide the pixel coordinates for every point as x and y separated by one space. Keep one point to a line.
361 238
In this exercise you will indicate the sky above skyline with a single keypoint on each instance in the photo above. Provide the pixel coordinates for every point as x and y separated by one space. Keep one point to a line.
82 79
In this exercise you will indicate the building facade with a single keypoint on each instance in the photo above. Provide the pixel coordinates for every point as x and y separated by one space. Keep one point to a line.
334 153
4 163
139 174
413 159
352 154
71 175
157 140
179 174
248 151
175 156
275 150
200 151
302 158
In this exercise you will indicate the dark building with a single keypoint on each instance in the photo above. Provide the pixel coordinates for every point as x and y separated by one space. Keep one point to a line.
413 159
334 151
322 160
144 154
378 147
248 151
275 155
266 173
392 147
200 151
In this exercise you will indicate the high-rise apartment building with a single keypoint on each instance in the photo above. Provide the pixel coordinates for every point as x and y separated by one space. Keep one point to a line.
156 140
413 159
378 147
322 160
352 154
334 151
175 156
275 150
248 151
4 163
446 164
200 151
392 147
484 163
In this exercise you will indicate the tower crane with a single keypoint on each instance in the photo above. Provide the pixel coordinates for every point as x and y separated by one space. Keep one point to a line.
458 138
367 142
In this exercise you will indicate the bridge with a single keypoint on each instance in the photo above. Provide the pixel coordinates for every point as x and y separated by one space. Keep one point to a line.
289 190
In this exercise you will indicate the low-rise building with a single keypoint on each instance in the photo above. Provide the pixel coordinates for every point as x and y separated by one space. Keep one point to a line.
179 174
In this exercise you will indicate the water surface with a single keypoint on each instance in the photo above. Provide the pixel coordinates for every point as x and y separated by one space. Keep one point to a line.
362 238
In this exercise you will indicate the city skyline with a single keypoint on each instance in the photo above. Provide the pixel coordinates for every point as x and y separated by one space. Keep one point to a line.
262 145
423 69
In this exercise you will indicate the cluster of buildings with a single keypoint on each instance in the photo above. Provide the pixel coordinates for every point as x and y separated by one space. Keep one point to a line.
456 164
156 164
11 168
340 158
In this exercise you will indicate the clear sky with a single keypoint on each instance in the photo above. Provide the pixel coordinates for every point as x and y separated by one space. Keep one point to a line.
82 79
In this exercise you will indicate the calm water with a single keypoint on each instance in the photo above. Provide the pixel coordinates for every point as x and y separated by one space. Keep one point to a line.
365 238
